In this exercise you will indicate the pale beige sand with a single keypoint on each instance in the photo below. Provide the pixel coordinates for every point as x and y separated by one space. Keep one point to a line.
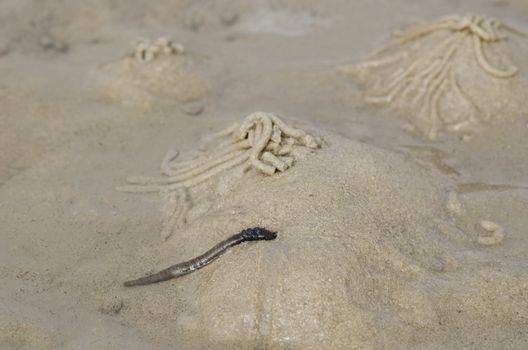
385 240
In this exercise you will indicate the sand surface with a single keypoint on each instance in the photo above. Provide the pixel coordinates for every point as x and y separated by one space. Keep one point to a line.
386 240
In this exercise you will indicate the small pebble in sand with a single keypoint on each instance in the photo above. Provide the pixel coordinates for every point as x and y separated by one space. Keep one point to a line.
443 263
111 306
497 233
193 108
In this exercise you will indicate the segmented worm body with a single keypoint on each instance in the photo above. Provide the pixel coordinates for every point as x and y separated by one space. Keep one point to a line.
250 234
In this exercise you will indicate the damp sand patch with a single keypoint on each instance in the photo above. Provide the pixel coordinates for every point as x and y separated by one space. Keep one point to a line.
289 24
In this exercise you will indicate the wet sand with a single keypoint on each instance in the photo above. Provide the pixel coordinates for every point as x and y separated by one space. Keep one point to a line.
383 235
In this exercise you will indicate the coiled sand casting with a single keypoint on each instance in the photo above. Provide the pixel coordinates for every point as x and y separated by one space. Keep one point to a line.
262 142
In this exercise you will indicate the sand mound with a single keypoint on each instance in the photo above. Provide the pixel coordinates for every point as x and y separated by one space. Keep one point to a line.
450 74
367 256
155 71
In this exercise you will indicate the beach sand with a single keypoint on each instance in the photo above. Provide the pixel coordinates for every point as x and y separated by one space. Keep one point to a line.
386 239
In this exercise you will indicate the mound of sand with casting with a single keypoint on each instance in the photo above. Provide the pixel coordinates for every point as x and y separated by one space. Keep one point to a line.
151 75
367 256
450 74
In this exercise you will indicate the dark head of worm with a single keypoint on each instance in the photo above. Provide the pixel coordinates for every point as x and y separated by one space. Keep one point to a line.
249 234
257 234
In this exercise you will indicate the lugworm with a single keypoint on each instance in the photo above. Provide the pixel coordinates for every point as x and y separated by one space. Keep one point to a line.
250 234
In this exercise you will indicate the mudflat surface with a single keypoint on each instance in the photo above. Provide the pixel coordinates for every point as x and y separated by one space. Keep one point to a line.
380 231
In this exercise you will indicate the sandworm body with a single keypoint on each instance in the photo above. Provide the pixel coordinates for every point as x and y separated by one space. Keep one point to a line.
250 234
